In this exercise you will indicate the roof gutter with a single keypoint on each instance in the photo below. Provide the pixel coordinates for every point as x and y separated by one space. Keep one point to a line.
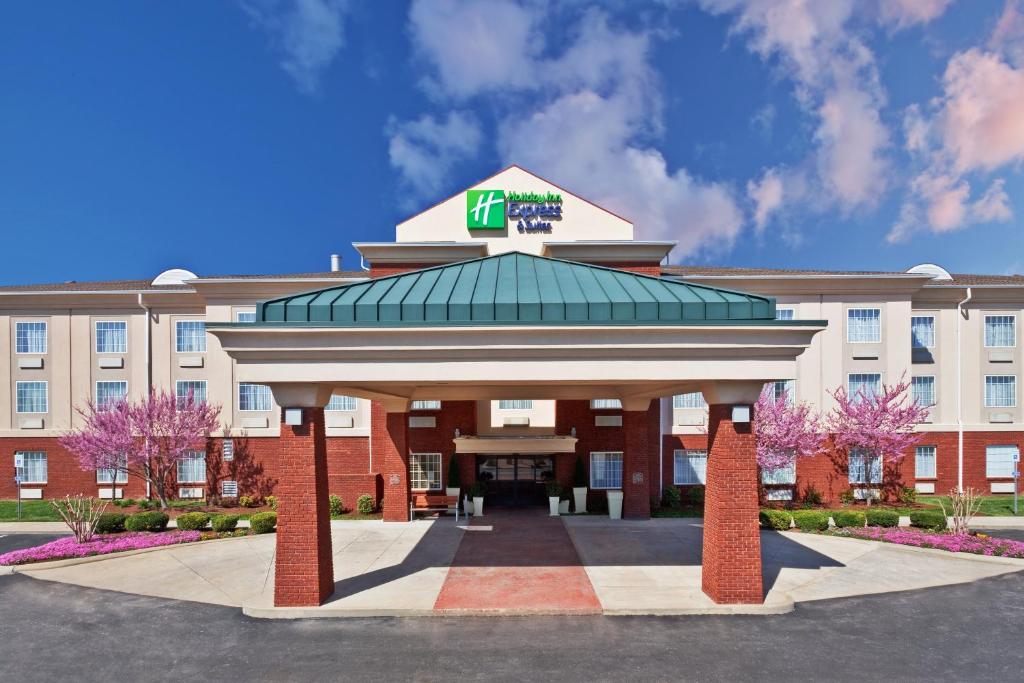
959 395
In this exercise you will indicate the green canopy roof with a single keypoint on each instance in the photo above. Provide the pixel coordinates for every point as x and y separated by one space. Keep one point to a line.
516 289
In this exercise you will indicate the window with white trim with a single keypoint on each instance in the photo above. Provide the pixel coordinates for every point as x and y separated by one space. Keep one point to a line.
33 468
785 313
999 461
30 337
694 399
245 316
229 488
863 385
922 390
192 468
227 450
864 325
254 398
195 387
104 474
689 467
865 467
606 470
109 392
1000 391
515 404
785 388
425 471
924 462
425 405
922 331
190 336
1000 331
32 397
340 403
111 336
605 404
780 476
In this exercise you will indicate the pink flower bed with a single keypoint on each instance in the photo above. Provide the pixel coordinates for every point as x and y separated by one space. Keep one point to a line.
64 548
999 547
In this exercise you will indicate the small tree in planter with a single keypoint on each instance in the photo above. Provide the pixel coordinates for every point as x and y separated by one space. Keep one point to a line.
784 430
579 485
554 496
454 479
81 514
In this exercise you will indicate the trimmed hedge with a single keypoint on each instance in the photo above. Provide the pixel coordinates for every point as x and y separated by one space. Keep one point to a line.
147 521
811 520
928 519
780 520
336 505
192 521
224 522
848 518
111 523
364 504
263 522
883 518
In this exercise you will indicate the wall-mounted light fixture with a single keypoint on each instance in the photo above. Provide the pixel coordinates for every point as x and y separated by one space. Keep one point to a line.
572 432
458 432
293 416
740 414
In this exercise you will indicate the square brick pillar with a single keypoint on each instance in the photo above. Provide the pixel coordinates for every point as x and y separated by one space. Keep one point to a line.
636 464
732 538
304 573
389 441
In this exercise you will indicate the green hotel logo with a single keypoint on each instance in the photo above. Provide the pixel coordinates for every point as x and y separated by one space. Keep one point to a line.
485 209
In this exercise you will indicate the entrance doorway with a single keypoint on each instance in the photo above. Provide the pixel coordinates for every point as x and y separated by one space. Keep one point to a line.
515 480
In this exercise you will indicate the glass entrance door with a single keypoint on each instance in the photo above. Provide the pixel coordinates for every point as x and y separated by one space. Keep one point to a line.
515 480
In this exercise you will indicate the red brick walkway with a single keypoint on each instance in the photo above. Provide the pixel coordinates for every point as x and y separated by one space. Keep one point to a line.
526 564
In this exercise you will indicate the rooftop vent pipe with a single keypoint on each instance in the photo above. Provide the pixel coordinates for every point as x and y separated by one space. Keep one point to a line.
335 263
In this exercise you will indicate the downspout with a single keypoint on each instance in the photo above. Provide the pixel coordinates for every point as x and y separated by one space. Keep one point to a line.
147 355
959 396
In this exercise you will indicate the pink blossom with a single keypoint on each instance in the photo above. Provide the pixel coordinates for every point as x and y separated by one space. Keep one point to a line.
882 424
67 547
956 543
784 430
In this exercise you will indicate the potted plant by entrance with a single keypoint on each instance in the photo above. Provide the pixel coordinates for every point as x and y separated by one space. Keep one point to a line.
554 494
478 489
579 486
615 504
454 480
563 503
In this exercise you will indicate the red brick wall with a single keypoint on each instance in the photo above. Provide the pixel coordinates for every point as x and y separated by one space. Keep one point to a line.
63 476
390 443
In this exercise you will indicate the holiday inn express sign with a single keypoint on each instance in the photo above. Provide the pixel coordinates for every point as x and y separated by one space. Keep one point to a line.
496 209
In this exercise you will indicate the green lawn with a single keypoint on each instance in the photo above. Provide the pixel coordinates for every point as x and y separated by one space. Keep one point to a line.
31 511
993 506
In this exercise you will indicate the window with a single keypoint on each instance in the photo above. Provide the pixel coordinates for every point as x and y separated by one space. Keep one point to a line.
103 475
781 475
31 397
922 391
516 404
245 316
110 392
227 450
924 462
999 461
1000 330
1000 391
341 403
867 385
30 337
606 404
111 336
864 325
33 469
690 467
425 471
606 470
922 331
197 388
254 397
191 336
785 388
691 400
192 468
865 467
785 313
425 405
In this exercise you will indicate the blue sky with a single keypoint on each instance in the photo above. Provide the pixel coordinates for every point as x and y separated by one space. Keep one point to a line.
261 136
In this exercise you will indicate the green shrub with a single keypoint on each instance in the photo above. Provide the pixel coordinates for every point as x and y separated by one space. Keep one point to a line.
147 521
454 475
812 496
848 518
554 489
364 504
477 490
224 522
671 497
192 521
846 497
933 520
247 501
271 501
337 507
907 495
124 502
111 523
695 495
146 504
884 518
263 522
775 519
811 520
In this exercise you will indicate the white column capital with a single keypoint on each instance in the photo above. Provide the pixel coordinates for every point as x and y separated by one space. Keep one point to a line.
732 392
301 394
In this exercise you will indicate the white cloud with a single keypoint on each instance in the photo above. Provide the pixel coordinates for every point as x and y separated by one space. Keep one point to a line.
309 33
902 14
1008 35
425 150
767 195
851 138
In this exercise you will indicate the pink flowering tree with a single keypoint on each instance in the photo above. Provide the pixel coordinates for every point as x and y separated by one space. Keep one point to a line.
784 430
146 438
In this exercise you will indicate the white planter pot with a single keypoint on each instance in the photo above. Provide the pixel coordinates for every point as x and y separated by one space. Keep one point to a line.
615 504
552 506
563 507
467 505
478 506
579 493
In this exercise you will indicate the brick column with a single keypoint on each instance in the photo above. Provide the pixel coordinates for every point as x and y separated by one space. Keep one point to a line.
389 440
636 466
732 540
304 573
